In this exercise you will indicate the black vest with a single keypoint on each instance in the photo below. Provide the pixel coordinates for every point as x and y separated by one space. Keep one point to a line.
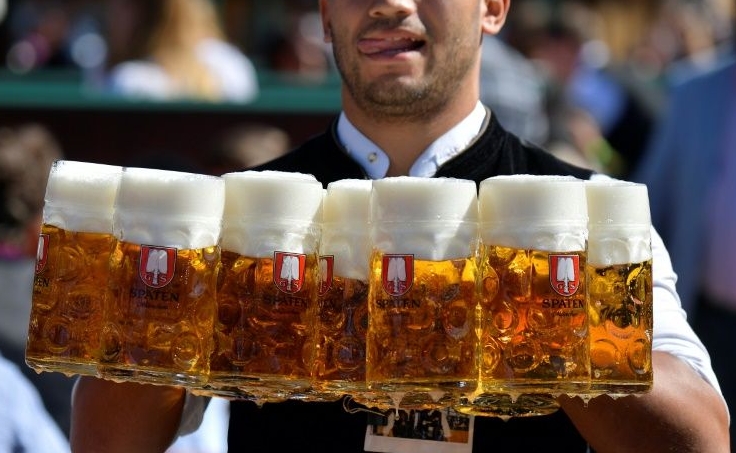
327 427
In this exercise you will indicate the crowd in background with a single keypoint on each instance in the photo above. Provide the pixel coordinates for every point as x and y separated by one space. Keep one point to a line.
590 80
585 78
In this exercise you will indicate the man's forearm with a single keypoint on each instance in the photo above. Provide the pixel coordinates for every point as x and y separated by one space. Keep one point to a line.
121 418
682 413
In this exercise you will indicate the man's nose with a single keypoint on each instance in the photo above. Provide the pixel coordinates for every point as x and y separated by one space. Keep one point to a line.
392 8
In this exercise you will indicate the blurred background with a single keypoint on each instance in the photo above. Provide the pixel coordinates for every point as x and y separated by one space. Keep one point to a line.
219 84
213 86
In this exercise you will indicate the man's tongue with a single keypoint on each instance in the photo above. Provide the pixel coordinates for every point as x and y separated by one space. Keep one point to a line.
386 46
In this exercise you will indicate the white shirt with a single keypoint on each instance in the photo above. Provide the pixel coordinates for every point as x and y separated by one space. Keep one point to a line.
375 162
25 425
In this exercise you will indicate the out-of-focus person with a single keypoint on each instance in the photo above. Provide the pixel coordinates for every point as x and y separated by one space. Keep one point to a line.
295 52
690 170
174 50
565 41
52 35
25 425
245 146
515 89
27 399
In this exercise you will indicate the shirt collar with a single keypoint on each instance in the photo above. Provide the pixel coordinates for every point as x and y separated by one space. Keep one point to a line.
375 162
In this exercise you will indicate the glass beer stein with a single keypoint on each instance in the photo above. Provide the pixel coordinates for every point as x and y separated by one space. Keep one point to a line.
72 268
534 342
161 308
264 342
619 274
342 308
421 345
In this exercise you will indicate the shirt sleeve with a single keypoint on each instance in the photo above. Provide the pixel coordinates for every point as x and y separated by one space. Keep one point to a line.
672 332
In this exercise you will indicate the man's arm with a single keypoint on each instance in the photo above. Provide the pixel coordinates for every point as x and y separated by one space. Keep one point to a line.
682 413
108 417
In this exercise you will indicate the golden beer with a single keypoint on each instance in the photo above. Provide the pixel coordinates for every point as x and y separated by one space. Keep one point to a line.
620 299
421 341
160 313
534 323
342 302
533 313
72 268
423 335
162 293
68 298
342 316
263 342
621 323
264 330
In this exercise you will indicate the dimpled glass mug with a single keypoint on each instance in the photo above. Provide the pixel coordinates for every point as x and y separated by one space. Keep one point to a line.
533 232
620 299
421 341
161 306
72 268
264 331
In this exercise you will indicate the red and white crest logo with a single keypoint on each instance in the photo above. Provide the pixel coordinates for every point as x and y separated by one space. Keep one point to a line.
564 274
397 274
42 252
288 271
326 267
157 266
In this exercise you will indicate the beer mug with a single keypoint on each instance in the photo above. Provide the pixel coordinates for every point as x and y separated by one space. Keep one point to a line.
264 331
72 268
534 340
421 342
161 308
342 308
619 283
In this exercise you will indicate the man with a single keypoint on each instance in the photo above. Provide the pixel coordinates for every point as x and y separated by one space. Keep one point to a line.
34 408
410 106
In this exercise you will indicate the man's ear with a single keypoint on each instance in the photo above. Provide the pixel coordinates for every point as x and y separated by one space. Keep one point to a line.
494 15
326 24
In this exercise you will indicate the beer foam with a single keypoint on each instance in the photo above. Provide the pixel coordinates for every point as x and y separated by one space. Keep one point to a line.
432 218
169 208
540 212
346 227
615 202
80 196
267 211
620 222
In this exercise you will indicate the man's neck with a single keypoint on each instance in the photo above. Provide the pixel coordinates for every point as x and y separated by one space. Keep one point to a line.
403 140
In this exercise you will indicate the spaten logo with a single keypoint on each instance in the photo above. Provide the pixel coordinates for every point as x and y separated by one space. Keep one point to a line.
397 274
564 274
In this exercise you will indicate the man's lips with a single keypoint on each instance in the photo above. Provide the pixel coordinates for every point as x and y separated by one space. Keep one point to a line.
388 46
